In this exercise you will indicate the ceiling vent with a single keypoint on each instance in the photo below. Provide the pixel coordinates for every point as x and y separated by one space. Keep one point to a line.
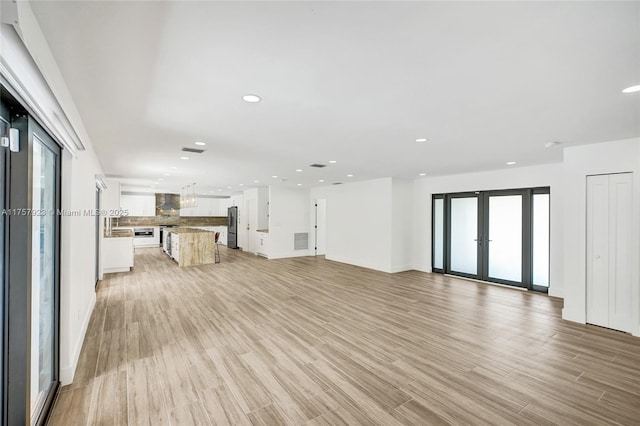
319 166
194 150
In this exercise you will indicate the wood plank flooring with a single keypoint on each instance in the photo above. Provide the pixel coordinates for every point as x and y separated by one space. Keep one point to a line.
307 341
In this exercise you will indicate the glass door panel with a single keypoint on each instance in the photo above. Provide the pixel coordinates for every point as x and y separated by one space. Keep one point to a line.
43 274
505 238
464 235
540 240
438 233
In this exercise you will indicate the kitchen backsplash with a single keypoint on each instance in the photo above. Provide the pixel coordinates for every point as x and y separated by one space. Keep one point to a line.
169 220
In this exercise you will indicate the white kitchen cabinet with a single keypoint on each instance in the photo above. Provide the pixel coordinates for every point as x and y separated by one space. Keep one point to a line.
206 207
223 206
117 254
111 198
262 244
175 246
139 204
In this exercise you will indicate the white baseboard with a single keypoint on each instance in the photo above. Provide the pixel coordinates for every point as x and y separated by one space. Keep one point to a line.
356 262
297 253
401 268
559 293
67 372
423 267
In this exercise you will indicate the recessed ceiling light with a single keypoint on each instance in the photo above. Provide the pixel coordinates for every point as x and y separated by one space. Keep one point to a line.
421 140
423 174
510 163
242 184
333 161
167 174
256 181
349 175
298 170
184 158
632 89
251 98
321 180
212 190
219 190
274 176
299 184
229 187
200 143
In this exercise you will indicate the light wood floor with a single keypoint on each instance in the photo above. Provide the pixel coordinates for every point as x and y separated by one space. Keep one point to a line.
313 342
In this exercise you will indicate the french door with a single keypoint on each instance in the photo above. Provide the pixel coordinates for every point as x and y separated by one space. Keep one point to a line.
496 236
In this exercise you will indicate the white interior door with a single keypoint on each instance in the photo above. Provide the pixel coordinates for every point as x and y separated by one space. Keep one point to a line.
609 227
252 224
321 227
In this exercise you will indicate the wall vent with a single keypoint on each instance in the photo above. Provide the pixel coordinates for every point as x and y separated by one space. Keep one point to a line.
319 166
301 241
194 150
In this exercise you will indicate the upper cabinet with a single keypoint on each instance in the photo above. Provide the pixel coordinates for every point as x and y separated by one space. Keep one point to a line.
111 198
223 206
207 206
139 204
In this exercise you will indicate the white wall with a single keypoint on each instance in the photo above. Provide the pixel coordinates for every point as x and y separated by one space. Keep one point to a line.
358 222
77 260
402 225
288 214
517 177
579 162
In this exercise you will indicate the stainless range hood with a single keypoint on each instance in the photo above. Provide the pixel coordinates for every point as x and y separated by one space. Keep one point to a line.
171 203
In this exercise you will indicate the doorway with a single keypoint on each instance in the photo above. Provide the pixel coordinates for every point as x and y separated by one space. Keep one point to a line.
320 227
496 236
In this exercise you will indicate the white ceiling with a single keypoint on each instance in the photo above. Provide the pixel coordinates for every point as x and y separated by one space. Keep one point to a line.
355 82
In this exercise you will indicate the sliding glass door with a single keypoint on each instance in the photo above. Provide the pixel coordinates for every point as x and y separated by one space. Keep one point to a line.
4 129
496 236
44 272
29 272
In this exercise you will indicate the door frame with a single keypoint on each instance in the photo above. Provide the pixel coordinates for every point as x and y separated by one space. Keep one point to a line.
18 366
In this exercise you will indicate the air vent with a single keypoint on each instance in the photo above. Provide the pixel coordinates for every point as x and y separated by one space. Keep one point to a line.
301 241
319 166
336 183
194 150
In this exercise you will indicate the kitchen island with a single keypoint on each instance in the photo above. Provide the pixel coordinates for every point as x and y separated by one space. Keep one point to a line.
189 246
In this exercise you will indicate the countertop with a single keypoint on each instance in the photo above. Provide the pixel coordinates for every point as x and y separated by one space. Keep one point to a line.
266 231
185 230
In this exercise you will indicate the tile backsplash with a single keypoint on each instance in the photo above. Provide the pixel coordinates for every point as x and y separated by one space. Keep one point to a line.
169 220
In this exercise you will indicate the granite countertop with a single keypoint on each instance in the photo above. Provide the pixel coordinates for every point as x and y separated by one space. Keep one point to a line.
120 233
185 230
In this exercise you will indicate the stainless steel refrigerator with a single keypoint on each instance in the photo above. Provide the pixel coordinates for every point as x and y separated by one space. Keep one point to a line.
232 227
